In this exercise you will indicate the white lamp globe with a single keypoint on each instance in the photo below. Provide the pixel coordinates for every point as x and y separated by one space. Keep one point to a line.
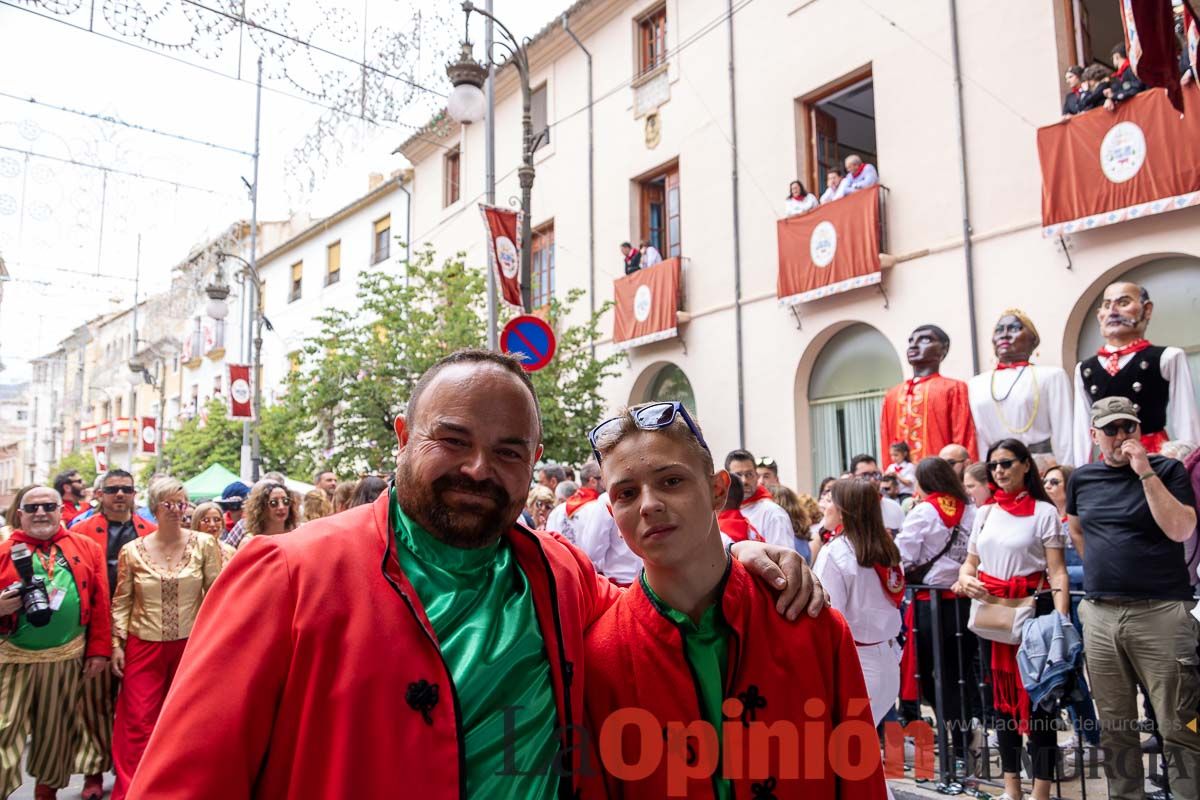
217 309
466 104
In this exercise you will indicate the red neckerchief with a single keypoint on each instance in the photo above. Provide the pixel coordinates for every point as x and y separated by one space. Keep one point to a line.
1112 357
1063 518
35 544
733 523
632 252
1012 364
761 493
948 507
892 581
911 383
858 170
1121 72
582 497
1019 505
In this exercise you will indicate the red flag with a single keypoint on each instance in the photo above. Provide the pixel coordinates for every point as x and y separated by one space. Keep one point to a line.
240 392
1152 46
832 249
100 453
647 305
149 434
504 251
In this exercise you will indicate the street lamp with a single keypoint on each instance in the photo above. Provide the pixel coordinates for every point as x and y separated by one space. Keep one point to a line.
217 308
466 105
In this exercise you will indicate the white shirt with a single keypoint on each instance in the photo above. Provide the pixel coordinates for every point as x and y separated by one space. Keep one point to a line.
924 535
1002 403
1183 418
867 178
651 256
597 535
906 470
1009 546
856 591
893 514
792 206
771 521
831 193
558 522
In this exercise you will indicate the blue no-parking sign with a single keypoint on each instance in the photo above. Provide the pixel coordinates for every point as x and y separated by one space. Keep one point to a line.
529 338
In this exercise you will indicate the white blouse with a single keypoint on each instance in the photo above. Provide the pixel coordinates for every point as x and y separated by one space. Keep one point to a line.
923 536
855 591
793 206
1009 546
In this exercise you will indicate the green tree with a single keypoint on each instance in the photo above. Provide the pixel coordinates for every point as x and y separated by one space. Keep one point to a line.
357 374
199 443
79 460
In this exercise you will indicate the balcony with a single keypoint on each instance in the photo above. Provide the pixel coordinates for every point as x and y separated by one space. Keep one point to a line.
836 247
106 430
1102 168
648 305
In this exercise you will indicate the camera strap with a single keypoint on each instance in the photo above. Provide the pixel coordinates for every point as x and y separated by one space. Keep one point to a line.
48 561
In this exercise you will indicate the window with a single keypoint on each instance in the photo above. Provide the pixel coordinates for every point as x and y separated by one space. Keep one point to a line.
216 386
652 39
197 339
451 176
117 409
542 268
194 408
383 240
541 126
661 212
297 281
333 263
218 334
1094 26
840 122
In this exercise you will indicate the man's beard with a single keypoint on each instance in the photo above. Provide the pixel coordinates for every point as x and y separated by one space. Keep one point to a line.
469 530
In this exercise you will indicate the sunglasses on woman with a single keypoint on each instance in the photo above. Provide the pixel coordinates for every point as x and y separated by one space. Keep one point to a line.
1125 426
170 506
1052 483
1003 463
276 502
650 417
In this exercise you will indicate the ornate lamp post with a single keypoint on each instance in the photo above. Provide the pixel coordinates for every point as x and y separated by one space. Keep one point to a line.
467 105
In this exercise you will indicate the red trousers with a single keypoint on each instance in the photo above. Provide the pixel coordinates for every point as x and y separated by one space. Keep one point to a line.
149 669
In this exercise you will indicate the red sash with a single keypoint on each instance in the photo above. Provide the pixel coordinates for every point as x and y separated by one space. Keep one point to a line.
1008 693
582 497
910 687
733 523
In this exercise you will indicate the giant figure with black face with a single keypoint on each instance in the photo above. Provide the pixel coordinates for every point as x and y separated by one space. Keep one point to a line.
1019 399
928 411
1156 378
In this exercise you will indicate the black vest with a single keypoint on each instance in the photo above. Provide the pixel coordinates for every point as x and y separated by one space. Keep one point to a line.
1140 380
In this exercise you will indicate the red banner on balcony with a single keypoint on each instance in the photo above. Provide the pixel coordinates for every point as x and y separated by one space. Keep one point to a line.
832 249
647 302
1101 167
240 393
149 434
504 251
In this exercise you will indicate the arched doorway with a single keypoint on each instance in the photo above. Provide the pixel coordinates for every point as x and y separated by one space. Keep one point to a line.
1173 283
670 383
845 396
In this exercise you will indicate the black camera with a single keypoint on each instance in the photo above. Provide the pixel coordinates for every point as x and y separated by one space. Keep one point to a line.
31 588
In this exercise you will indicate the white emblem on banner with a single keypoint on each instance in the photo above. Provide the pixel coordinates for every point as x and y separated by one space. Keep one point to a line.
240 391
1122 152
506 253
148 434
641 303
823 244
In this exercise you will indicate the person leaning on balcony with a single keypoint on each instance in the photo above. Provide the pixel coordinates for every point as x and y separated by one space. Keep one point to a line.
799 199
1093 87
1129 515
1123 84
859 175
833 182
1015 550
650 254
633 258
1074 81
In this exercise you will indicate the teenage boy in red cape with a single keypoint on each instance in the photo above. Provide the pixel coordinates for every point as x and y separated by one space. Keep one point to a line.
422 646
686 671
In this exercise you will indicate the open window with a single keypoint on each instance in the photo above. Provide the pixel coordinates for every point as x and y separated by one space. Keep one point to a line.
840 121
1095 26
660 211
652 40
542 267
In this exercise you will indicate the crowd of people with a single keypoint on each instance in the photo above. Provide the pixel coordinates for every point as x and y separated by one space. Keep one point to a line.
1098 86
857 176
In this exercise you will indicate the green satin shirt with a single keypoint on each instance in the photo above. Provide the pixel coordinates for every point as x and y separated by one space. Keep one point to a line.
481 607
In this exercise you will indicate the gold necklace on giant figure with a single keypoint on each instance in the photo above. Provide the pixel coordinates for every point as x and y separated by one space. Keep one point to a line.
996 401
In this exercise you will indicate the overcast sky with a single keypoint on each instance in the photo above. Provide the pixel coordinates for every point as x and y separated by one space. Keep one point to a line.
69 234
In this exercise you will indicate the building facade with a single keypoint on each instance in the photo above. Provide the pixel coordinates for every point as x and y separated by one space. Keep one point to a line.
14 439
810 85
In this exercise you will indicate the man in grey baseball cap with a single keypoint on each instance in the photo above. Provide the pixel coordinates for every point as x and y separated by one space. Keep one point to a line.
1129 515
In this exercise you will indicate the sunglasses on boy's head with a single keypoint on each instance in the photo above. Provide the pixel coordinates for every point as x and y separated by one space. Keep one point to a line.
1123 426
118 489
650 417
33 508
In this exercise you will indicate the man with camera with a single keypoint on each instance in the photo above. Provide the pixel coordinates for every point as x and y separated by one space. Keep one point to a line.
112 528
57 631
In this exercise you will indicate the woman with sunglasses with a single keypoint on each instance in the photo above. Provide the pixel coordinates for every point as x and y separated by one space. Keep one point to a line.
161 580
538 506
1015 550
269 511
209 518
697 640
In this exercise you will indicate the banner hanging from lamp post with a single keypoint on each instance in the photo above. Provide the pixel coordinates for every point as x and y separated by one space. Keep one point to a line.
149 435
504 251
240 394
100 453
